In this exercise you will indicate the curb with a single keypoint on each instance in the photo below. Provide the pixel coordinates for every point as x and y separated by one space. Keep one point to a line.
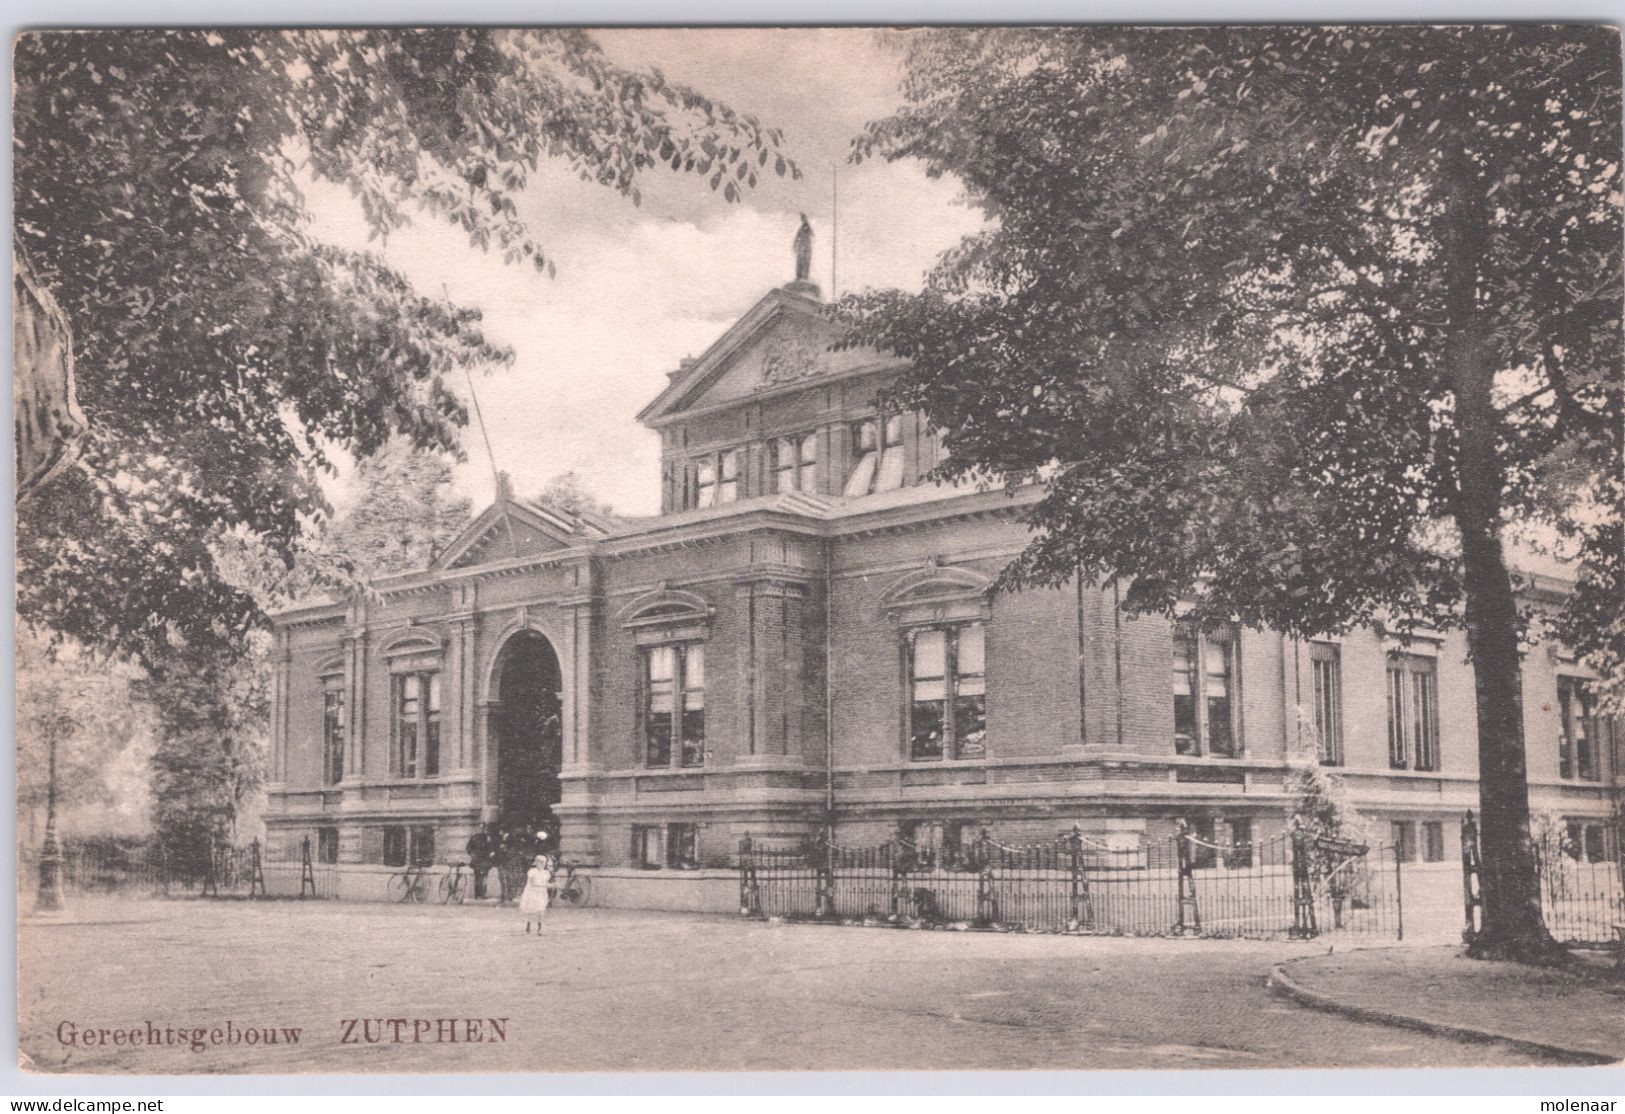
1283 985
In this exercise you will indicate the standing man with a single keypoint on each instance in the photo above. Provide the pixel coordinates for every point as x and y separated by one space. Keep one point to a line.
482 853
513 855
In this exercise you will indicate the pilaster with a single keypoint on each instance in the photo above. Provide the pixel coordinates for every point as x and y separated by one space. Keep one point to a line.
355 697
280 718
771 656
582 609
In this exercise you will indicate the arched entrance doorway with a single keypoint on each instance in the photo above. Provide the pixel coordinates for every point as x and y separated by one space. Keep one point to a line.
527 732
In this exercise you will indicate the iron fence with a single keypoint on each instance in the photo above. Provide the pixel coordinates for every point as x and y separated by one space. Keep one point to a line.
148 870
1292 884
1582 899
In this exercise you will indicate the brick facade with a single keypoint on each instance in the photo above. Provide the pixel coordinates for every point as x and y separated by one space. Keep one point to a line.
804 602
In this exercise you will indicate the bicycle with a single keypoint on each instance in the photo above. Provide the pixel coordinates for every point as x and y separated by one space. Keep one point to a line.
454 885
573 889
410 884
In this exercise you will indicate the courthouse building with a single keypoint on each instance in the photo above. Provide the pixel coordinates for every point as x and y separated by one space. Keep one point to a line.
806 630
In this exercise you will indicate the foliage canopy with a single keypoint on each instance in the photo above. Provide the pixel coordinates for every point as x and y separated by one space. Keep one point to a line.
224 352
1214 304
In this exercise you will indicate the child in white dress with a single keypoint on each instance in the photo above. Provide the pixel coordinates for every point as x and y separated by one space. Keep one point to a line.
533 902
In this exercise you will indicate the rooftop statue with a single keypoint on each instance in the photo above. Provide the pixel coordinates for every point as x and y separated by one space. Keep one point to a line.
803 245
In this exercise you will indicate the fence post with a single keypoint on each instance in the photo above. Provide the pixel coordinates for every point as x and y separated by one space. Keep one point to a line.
1471 882
256 876
1082 911
1189 921
986 909
825 897
749 893
1303 890
1399 888
307 874
211 884
897 858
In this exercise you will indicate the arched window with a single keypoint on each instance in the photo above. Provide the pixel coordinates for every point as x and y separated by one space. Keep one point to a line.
670 627
943 616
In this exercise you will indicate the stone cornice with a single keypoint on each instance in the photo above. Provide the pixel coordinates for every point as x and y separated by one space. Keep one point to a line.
847 521
311 615
882 366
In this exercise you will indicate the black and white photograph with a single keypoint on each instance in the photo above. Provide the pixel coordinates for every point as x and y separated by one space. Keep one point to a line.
818 549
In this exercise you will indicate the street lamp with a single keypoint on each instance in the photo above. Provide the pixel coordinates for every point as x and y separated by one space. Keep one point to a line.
49 899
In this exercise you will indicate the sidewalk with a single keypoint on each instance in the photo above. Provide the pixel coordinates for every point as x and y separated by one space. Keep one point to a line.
1575 1016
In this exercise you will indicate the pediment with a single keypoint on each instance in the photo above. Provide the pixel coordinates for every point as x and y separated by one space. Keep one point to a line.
935 583
936 594
506 531
784 340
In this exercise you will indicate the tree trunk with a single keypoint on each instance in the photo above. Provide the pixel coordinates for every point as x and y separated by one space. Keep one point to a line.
1513 926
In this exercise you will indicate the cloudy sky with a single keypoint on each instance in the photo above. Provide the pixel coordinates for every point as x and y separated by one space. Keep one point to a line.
638 288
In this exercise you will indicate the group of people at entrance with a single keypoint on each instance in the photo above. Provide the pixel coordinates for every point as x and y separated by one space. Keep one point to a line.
510 851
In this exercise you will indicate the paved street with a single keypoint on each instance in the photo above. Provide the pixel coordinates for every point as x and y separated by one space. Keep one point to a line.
619 990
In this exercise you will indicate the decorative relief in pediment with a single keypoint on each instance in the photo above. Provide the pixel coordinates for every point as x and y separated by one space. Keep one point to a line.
787 357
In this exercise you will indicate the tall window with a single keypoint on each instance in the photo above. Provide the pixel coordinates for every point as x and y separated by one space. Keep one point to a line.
1239 852
1433 841
1327 679
716 479
327 845
728 477
394 845
947 692
1204 687
807 463
333 730
1204 846
1583 842
417 724
705 483
795 463
421 845
877 449
1413 713
938 843
1578 744
674 704
665 845
1402 834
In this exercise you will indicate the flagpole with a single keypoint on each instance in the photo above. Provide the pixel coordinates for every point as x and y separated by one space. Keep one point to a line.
834 228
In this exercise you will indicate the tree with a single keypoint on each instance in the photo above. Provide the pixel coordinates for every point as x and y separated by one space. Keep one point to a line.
567 492
402 512
1320 802
222 353
1321 813
208 765
1300 324
1321 809
88 703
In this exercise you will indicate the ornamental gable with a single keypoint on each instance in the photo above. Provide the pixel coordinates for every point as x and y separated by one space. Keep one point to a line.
785 341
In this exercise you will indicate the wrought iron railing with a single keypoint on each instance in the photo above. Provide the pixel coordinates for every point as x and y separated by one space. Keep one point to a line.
1182 885
148 870
1582 899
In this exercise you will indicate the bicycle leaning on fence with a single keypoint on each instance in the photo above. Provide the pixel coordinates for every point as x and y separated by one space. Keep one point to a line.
570 887
411 884
454 884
